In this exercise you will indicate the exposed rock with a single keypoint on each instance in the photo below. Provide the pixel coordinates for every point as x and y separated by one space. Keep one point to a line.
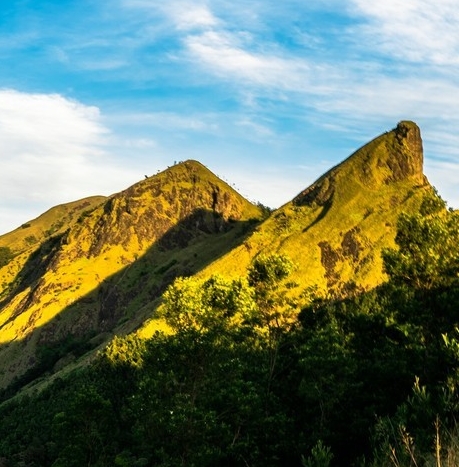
320 193
407 159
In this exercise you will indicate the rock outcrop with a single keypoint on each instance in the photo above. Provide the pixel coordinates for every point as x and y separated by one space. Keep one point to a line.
407 158
392 157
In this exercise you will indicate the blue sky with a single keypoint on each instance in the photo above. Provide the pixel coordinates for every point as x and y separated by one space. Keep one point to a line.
268 94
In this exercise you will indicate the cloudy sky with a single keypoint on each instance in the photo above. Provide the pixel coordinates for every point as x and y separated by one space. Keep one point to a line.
268 94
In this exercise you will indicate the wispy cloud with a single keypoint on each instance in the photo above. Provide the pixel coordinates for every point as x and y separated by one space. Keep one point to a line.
387 61
47 123
301 81
417 30
191 15
226 55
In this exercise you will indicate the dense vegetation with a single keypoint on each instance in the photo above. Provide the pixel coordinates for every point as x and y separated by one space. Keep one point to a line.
6 255
244 378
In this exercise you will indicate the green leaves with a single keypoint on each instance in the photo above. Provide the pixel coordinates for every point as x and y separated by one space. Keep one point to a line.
238 359
428 253
268 270
214 304
218 304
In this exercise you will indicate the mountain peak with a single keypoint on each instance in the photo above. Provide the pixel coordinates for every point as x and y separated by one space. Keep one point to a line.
395 156
408 159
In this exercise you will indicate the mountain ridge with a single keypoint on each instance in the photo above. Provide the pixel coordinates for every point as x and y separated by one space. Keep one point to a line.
400 156
104 272
94 266
351 209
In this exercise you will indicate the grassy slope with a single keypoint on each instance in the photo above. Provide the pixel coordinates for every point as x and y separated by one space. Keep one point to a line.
28 237
107 268
335 237
54 221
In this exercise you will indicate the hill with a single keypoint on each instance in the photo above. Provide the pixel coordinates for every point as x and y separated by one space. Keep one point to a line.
105 264
338 363
101 270
335 229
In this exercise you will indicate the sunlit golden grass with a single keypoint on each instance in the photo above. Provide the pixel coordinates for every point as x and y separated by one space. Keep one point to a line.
86 253
103 263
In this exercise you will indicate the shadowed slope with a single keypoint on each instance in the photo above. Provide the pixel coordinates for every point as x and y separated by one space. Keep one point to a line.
117 258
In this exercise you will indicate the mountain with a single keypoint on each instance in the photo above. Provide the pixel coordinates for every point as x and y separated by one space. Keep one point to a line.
100 268
335 229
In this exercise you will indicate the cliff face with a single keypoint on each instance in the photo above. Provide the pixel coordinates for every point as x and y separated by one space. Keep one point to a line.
407 158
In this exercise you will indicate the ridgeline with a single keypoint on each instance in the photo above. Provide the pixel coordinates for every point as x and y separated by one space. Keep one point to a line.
177 323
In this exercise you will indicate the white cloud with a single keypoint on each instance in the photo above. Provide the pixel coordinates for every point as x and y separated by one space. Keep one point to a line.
190 16
397 61
185 14
42 121
346 84
52 149
228 55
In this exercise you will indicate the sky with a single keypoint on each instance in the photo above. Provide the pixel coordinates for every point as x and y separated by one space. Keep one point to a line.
268 94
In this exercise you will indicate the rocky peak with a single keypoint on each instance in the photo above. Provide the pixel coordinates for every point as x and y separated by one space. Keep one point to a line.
395 156
407 159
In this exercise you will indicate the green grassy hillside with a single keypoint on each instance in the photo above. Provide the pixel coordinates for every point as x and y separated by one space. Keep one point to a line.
338 363
334 230
99 267
88 276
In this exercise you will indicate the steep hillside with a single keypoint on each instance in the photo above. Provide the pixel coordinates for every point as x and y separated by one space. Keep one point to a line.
362 377
53 222
87 278
335 229
99 267
18 244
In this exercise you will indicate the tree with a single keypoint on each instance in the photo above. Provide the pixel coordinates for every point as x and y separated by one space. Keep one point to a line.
208 387
213 305
85 431
428 254
265 276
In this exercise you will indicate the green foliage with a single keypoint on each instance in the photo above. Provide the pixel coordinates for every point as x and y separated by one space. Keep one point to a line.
218 304
432 204
207 306
384 362
427 254
268 271
6 255
124 351
202 399
265 210
81 430
321 456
